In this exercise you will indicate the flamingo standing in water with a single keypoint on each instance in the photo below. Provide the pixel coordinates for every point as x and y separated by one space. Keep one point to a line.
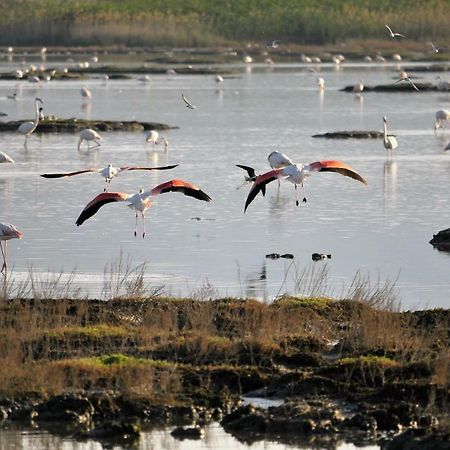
141 201
27 128
442 116
7 232
389 142
297 174
153 137
108 172
88 134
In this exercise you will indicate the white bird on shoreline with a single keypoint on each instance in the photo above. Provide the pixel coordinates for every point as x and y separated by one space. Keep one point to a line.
141 201
88 134
393 35
27 128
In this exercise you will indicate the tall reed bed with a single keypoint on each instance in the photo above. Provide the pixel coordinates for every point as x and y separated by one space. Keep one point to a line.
204 22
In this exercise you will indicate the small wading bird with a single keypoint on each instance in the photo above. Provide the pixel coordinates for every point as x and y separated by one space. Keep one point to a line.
320 83
188 103
153 137
141 201
4 158
88 134
389 142
7 232
108 172
392 34
358 88
442 116
297 174
27 128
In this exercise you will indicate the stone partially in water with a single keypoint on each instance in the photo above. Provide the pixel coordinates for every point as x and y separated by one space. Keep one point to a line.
441 241
355 134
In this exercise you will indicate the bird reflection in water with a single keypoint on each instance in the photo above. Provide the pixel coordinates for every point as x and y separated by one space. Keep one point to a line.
256 283
390 182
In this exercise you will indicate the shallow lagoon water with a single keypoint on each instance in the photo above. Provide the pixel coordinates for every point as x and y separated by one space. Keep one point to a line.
381 230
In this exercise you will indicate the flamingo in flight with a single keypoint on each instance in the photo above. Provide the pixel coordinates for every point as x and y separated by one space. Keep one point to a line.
27 128
297 173
108 172
142 200
7 232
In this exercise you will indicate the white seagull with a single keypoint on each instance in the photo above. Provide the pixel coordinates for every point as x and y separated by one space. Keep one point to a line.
188 103
392 34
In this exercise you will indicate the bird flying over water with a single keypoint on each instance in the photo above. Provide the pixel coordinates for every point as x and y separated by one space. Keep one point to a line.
392 34
404 77
297 173
273 44
188 103
142 200
108 172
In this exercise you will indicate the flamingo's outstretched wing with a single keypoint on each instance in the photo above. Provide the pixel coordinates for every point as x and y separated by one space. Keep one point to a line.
184 187
335 166
67 174
94 205
150 168
260 184
249 170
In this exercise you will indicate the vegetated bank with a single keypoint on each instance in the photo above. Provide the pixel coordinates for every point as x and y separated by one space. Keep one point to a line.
349 369
202 22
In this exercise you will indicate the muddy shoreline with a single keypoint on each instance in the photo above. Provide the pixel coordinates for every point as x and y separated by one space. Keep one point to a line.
344 369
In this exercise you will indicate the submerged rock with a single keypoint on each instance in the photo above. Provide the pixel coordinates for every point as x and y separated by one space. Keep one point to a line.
74 125
419 439
356 134
188 433
441 241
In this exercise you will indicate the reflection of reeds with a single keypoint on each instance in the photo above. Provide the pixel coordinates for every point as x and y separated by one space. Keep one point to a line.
192 22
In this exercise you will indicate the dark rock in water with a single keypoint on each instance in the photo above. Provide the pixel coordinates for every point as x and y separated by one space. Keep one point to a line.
399 87
350 135
419 439
124 430
361 422
73 125
188 433
273 256
441 241
287 256
73 408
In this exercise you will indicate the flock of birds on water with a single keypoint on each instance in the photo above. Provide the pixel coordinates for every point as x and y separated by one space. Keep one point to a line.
282 167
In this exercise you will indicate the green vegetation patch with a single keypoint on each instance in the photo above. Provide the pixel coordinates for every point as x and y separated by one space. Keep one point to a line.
94 331
305 302
370 360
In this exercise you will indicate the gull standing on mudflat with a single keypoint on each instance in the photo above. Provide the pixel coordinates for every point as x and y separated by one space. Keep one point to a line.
188 103
141 201
108 172
392 34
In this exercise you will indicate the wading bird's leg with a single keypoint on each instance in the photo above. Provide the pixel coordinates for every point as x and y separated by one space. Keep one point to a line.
4 257
98 144
304 193
296 196
135 227
143 222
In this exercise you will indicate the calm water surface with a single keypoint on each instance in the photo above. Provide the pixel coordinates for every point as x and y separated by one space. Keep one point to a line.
381 230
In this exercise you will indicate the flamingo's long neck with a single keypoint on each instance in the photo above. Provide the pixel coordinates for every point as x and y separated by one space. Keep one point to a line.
37 113
385 130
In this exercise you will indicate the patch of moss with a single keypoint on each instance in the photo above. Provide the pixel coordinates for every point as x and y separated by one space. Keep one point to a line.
95 331
305 302
369 360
